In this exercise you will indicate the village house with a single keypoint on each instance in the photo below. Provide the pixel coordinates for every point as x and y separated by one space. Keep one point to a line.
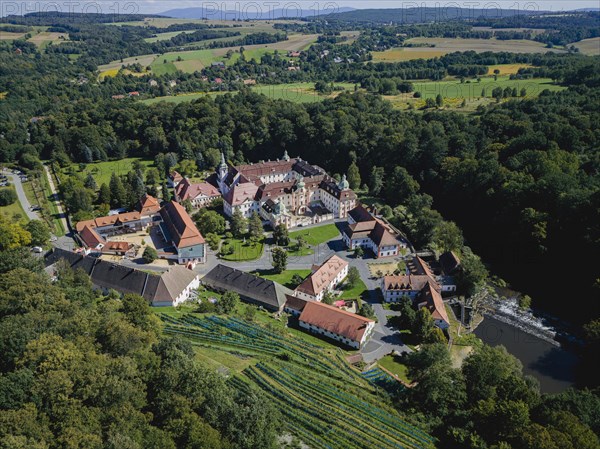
253 289
418 284
367 231
324 278
329 321
171 288
287 191
178 229
199 194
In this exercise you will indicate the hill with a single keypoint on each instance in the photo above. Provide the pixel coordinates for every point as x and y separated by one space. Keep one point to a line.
249 13
422 15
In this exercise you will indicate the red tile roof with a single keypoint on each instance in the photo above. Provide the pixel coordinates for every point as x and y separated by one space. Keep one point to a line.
108 220
148 205
186 190
175 176
434 302
319 280
181 226
90 237
241 193
334 320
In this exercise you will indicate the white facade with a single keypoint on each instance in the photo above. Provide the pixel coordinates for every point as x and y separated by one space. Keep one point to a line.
352 343
329 287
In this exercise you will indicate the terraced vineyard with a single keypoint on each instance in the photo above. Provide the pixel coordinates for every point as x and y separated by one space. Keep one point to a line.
324 401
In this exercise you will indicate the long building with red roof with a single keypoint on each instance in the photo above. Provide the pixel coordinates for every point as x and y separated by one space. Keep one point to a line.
178 228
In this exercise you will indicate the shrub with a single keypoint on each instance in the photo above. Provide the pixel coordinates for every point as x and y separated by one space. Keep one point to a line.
7 197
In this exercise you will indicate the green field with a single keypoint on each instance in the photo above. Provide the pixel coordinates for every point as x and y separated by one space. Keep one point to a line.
294 92
13 210
102 171
166 36
324 402
316 236
284 278
456 89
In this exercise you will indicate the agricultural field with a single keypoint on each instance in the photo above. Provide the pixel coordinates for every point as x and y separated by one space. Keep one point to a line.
45 38
102 171
166 36
190 61
324 402
507 69
113 67
8 36
443 46
589 47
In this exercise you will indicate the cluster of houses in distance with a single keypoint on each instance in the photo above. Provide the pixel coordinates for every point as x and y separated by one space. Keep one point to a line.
288 191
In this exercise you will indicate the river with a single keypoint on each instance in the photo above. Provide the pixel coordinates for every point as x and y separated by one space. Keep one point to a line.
551 365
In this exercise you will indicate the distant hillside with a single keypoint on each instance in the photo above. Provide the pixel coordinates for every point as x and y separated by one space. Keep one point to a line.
423 15
248 13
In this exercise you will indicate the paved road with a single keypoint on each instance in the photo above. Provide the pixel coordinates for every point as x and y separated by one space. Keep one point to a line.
16 181
61 213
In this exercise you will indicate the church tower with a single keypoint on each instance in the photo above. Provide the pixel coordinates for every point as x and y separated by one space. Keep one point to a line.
222 174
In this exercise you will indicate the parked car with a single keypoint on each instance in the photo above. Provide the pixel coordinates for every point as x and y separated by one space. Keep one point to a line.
37 249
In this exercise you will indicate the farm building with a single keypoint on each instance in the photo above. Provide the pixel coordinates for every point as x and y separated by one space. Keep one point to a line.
347 328
172 288
251 288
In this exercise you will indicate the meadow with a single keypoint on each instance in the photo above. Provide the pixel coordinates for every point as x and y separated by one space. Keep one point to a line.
295 92
190 61
102 171
437 47
589 47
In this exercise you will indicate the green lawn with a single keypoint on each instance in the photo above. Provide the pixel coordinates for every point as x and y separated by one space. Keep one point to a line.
316 236
390 363
13 211
102 171
284 278
356 292
243 251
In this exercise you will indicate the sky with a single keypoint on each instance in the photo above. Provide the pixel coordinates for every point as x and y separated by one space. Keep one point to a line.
157 6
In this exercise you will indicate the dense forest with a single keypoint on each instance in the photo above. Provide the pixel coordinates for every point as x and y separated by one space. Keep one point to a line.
82 370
